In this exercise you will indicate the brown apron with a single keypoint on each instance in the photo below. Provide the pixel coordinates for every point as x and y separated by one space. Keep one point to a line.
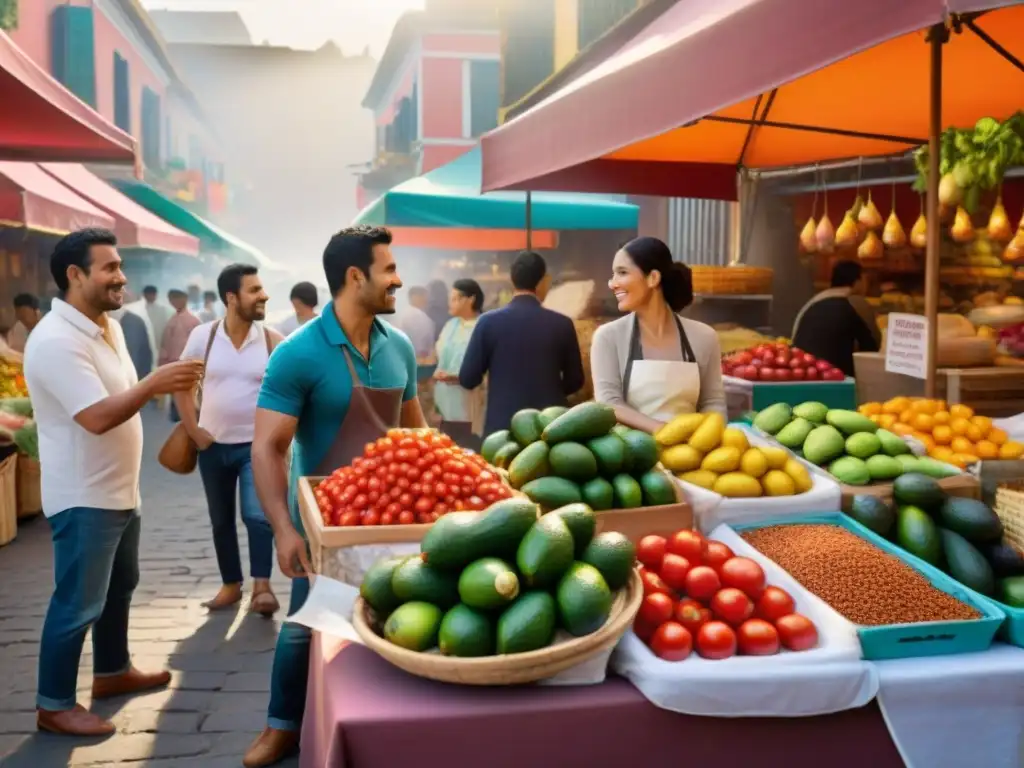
371 413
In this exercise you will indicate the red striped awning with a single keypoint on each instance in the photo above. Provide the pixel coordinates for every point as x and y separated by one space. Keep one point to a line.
33 199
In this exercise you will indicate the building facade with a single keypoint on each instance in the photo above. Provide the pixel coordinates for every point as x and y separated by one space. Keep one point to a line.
435 91
110 55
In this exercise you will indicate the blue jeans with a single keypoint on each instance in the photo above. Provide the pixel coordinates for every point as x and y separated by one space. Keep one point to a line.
96 570
225 468
291 667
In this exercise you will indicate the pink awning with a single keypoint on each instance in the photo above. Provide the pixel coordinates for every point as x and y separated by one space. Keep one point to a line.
33 199
40 119
134 226
669 113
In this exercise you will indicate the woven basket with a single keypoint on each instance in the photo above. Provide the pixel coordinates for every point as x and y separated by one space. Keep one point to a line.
30 496
8 499
735 280
1010 509
515 669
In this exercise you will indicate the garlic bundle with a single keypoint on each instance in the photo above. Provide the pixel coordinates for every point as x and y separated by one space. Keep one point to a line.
893 235
871 248
868 216
808 240
848 234
962 230
919 232
999 227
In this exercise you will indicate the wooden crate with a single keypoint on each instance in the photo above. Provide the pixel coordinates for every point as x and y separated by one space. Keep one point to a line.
1010 508
8 499
963 485
30 496
994 391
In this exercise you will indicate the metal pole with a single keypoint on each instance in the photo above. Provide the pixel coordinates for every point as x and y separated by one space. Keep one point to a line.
529 220
936 38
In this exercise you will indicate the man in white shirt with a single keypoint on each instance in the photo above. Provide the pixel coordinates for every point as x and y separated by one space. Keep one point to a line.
28 314
417 325
304 301
87 398
236 350
158 313
209 311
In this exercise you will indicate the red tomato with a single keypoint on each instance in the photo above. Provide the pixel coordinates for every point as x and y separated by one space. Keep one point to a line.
689 544
702 583
350 518
732 606
743 358
360 502
386 518
797 361
654 583
716 554
424 504
716 640
757 637
833 374
767 374
783 374
673 570
797 632
744 574
798 374
643 630
782 360
372 517
773 604
406 517
809 358
823 365
691 615
672 642
650 550
656 608
748 372
813 374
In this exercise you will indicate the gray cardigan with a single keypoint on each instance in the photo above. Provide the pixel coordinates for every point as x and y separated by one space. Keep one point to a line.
610 349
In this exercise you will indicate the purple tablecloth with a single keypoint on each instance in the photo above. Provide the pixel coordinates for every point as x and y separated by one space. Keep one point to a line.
361 712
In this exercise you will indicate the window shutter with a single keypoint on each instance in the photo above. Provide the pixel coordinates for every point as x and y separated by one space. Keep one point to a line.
484 93
73 51
151 122
529 48
122 94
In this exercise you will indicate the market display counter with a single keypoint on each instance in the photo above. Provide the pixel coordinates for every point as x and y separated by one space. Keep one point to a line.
990 391
363 713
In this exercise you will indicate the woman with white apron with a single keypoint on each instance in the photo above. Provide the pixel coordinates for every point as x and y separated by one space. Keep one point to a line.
462 410
652 364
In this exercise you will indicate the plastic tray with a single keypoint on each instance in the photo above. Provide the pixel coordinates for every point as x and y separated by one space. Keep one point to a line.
904 641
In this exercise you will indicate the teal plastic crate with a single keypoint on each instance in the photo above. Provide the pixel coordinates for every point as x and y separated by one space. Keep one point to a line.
1012 631
834 394
904 641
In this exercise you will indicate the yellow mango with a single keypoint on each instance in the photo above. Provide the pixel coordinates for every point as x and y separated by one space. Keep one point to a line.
801 477
753 462
679 429
721 460
681 458
736 485
705 478
778 483
735 438
708 435
776 456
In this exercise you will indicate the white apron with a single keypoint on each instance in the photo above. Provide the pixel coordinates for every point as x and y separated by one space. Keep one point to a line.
661 389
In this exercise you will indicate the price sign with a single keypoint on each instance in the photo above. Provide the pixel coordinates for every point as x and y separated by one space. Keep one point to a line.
906 345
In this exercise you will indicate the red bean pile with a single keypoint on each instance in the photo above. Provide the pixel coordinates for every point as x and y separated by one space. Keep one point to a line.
860 581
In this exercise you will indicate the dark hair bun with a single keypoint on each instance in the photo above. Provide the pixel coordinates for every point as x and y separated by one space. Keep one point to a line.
677 285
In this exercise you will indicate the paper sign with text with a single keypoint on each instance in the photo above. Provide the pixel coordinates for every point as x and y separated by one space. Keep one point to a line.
906 345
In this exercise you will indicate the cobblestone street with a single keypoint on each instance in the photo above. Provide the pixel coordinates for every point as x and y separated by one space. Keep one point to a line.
220 663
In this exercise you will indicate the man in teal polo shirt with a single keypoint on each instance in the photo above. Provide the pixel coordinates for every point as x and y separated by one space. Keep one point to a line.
334 385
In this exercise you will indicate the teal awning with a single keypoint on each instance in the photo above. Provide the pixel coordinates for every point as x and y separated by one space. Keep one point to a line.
211 237
449 196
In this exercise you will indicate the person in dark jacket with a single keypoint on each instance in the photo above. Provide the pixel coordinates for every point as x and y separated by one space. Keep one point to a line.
136 338
530 354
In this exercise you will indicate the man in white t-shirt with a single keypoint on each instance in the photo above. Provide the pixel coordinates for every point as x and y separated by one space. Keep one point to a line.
87 398
417 325
236 350
304 301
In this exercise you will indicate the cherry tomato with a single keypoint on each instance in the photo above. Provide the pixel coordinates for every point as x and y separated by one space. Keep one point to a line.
672 642
350 518
756 637
716 554
362 483
486 476
360 502
475 502
653 583
424 504
797 632
673 570
716 640
702 583
428 478
656 608
371 517
406 517
440 490
369 450
689 544
773 604
650 550
744 574
732 606
406 500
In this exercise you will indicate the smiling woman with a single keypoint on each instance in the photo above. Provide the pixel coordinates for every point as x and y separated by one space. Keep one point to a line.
653 364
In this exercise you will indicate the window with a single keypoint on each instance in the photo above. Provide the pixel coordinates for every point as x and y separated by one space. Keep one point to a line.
151 123
528 47
73 51
484 96
595 17
122 94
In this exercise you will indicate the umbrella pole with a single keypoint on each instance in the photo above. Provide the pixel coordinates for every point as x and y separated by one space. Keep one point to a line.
936 38
529 220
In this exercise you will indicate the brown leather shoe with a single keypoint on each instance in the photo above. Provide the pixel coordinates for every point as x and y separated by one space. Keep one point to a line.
132 681
263 601
270 747
227 596
73 722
